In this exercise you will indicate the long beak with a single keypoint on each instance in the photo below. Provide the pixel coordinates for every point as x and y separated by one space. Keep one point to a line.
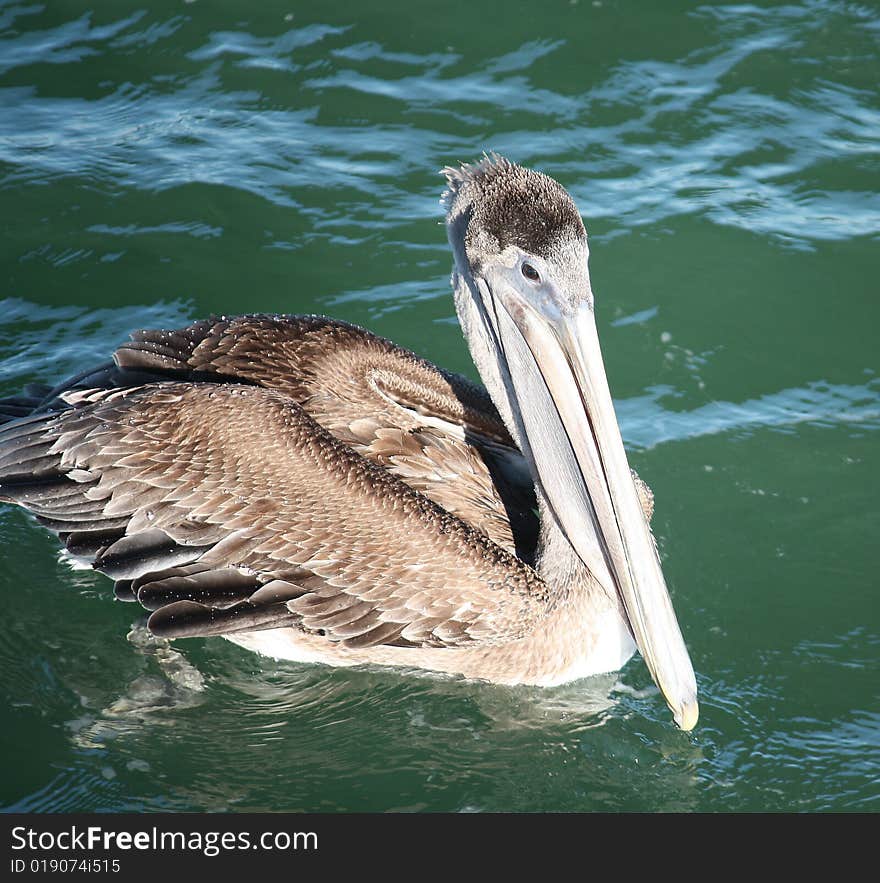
555 360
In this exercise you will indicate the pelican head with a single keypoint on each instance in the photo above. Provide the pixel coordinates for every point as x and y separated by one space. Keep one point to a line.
524 299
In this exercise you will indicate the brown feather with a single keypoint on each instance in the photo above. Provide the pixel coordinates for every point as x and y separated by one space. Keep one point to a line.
309 489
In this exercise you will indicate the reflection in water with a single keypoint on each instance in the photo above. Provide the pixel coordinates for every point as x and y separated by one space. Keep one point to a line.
175 688
372 739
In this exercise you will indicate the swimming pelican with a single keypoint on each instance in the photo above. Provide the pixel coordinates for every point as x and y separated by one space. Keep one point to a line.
314 492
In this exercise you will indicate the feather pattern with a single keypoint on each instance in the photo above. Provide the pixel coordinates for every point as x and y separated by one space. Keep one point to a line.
263 489
313 491
268 472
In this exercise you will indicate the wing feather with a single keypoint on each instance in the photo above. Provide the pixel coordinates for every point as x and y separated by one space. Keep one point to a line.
342 485
209 480
375 396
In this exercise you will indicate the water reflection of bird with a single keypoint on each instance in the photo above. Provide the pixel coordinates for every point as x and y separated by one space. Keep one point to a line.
314 492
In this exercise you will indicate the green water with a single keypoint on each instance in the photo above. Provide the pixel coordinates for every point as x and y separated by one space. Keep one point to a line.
160 164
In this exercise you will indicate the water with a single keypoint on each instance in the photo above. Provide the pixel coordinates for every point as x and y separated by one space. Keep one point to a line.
161 164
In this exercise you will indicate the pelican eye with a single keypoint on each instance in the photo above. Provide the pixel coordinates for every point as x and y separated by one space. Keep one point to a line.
530 273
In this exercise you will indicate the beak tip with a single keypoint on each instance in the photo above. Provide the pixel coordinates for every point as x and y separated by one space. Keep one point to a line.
687 715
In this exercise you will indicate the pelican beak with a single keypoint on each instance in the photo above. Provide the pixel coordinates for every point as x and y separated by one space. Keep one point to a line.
554 361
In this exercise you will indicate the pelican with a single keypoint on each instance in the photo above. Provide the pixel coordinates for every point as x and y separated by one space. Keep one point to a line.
315 493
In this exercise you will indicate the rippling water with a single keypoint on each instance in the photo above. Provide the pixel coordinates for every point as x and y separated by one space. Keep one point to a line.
159 164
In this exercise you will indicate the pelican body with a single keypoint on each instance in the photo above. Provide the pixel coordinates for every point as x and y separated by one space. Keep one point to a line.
313 492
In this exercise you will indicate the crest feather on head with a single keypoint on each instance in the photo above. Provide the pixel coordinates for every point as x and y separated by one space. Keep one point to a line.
509 204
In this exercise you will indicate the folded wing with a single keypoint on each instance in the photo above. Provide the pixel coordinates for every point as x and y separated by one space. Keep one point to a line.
226 507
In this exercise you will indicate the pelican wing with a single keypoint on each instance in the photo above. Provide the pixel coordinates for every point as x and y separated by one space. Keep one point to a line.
226 507
335 370
434 429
